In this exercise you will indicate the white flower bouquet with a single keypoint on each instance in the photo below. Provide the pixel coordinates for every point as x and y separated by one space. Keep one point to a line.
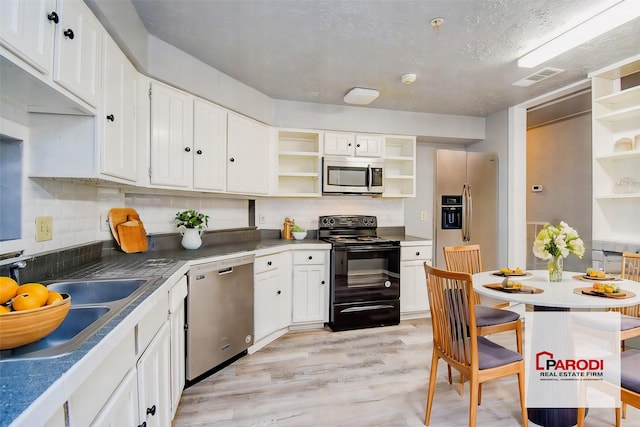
558 241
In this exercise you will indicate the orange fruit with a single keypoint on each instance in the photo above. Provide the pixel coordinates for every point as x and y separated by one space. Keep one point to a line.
8 289
4 309
53 297
36 289
25 302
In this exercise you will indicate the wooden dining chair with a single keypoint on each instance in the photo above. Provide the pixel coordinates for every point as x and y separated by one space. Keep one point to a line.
629 316
457 342
489 320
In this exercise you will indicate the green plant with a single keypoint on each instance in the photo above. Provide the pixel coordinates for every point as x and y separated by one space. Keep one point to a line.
296 228
192 219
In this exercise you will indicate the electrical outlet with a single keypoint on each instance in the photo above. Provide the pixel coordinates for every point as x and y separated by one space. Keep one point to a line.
423 216
44 228
262 219
104 222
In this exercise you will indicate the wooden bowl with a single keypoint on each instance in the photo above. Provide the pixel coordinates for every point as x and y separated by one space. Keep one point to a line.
24 327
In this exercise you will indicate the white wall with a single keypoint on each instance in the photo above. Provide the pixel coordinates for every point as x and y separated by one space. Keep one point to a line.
559 159
414 224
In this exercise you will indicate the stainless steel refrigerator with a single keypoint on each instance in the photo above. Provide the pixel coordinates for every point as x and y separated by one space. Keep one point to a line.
466 204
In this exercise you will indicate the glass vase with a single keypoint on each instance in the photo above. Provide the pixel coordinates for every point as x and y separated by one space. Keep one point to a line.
555 266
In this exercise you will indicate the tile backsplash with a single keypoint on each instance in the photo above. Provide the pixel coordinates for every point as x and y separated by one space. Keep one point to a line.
79 210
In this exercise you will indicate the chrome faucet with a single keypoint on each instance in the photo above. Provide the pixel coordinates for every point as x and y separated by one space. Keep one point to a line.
15 268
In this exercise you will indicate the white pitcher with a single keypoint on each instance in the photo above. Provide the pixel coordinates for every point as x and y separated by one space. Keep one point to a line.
191 238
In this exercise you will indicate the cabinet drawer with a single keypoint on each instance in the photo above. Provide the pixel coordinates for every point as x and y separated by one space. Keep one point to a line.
416 253
309 257
151 323
88 399
177 294
266 263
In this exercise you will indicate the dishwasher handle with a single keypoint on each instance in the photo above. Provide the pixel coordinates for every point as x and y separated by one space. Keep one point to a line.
225 271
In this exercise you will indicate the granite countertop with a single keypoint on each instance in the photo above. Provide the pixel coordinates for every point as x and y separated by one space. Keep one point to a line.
25 381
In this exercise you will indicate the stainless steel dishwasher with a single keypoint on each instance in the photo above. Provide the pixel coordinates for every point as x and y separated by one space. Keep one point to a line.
219 309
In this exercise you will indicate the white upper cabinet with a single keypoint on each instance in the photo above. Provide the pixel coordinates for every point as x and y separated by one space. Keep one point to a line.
117 118
27 28
248 156
209 146
350 144
78 44
339 144
171 136
369 145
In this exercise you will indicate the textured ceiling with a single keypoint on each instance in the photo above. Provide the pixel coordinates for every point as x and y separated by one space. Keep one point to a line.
317 50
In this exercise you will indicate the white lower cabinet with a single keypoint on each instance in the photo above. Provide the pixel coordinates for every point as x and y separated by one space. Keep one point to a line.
177 296
310 287
271 295
122 407
140 380
414 301
58 419
96 391
154 392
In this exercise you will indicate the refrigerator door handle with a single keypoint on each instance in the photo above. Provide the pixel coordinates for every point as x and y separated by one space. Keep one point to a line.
464 212
468 213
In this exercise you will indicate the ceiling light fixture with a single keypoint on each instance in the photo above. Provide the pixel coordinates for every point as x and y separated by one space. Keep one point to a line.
436 22
361 96
408 78
595 26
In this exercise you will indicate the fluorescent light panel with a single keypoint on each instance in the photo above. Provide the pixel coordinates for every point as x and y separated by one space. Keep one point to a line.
615 16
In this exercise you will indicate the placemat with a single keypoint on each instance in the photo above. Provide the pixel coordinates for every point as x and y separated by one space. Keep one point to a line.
521 275
522 290
586 278
592 292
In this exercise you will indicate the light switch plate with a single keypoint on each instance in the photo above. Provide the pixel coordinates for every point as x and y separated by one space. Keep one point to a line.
44 228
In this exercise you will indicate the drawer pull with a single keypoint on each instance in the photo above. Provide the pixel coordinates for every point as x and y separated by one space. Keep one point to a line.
151 411
417 253
53 17
310 257
69 34
269 263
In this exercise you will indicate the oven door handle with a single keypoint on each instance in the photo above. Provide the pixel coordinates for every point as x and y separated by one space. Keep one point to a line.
366 248
367 308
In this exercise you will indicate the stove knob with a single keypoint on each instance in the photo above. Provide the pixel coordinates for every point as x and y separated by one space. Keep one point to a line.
332 221
387 284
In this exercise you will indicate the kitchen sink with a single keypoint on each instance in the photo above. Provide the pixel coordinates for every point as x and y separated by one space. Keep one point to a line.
93 304
98 291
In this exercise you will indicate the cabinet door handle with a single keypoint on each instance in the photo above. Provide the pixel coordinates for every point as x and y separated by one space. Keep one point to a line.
111 117
232 160
269 263
199 152
144 424
53 17
357 145
417 253
279 292
69 34
322 283
187 149
310 257
151 410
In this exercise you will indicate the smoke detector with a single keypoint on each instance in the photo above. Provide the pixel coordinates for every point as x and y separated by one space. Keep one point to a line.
408 78
361 96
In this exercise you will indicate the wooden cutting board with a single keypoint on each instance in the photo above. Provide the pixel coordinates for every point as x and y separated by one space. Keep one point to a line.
128 230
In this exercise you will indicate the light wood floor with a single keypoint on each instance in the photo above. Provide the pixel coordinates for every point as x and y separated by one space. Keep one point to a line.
369 377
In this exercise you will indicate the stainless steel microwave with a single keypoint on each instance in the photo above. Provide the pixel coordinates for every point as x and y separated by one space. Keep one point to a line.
352 175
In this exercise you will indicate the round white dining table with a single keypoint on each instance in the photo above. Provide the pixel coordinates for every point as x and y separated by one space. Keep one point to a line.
555 296
558 295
